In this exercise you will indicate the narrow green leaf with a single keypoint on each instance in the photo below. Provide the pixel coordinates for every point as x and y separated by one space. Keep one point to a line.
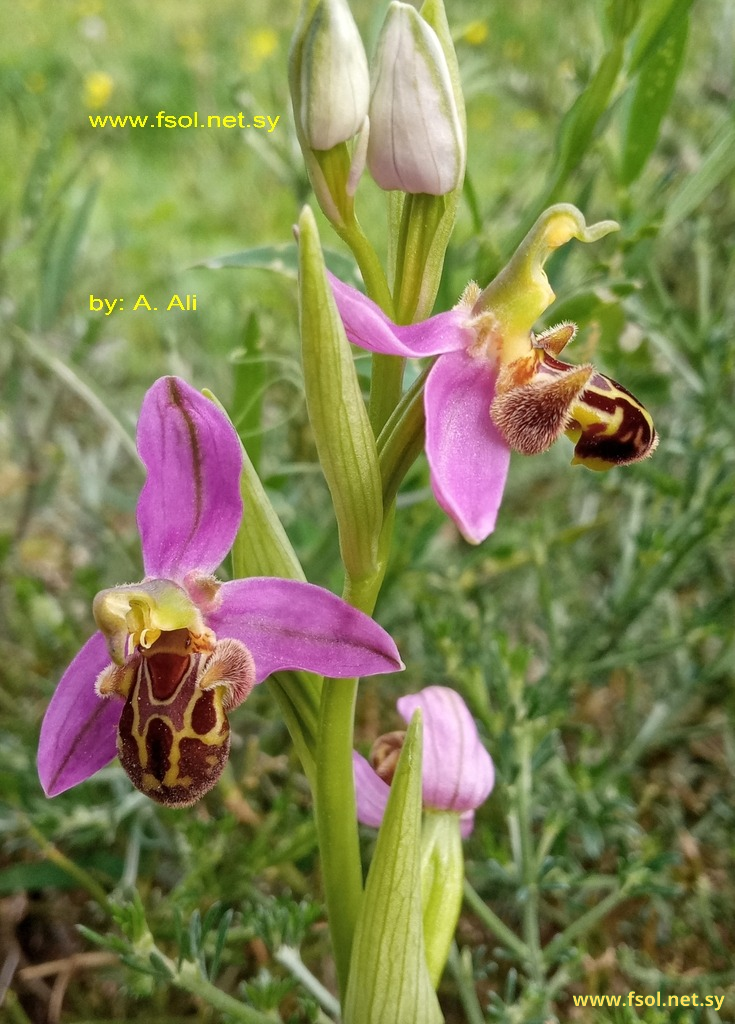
389 979
658 20
250 382
284 259
219 945
339 420
60 254
578 124
717 166
651 98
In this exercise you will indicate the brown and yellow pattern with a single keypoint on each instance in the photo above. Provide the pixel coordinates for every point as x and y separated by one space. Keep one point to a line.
174 737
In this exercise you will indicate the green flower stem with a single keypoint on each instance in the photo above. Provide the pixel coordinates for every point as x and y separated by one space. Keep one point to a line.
376 283
298 695
401 440
521 826
335 804
336 818
290 958
189 978
386 385
420 219
501 931
387 372
56 857
461 968
583 924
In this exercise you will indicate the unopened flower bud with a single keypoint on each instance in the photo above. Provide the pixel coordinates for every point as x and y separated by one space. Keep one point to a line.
416 143
330 82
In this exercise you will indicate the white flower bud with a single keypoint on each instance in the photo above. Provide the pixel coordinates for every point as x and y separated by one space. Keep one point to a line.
333 81
416 142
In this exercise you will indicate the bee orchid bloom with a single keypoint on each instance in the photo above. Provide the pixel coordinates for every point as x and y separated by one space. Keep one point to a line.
457 772
497 387
177 651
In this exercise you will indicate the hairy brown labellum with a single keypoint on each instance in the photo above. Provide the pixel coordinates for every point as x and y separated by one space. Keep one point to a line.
531 408
173 737
538 397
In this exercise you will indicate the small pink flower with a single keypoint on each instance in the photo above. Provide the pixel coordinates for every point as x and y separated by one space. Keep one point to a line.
177 651
497 387
457 771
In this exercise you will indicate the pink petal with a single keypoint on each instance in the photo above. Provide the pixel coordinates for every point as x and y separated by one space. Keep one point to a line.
288 624
370 791
190 507
79 728
466 823
457 772
367 325
467 456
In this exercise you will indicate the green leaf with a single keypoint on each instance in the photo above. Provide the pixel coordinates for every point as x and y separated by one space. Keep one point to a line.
60 254
389 979
652 96
249 369
717 166
339 420
578 124
658 21
284 259
45 875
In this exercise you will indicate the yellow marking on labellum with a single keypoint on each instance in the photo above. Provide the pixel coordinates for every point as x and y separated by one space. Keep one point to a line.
538 398
173 736
609 426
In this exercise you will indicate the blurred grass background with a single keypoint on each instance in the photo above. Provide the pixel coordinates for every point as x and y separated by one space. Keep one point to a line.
592 635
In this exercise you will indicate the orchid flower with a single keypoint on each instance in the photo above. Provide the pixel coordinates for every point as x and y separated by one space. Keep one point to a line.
174 653
497 386
457 772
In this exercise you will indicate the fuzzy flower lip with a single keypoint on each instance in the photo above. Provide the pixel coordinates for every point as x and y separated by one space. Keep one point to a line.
457 772
497 387
237 633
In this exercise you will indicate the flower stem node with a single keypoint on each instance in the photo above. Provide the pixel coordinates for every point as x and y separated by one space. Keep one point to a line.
416 142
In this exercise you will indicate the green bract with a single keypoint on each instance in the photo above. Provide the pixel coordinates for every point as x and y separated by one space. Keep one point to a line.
344 439
389 980
442 879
